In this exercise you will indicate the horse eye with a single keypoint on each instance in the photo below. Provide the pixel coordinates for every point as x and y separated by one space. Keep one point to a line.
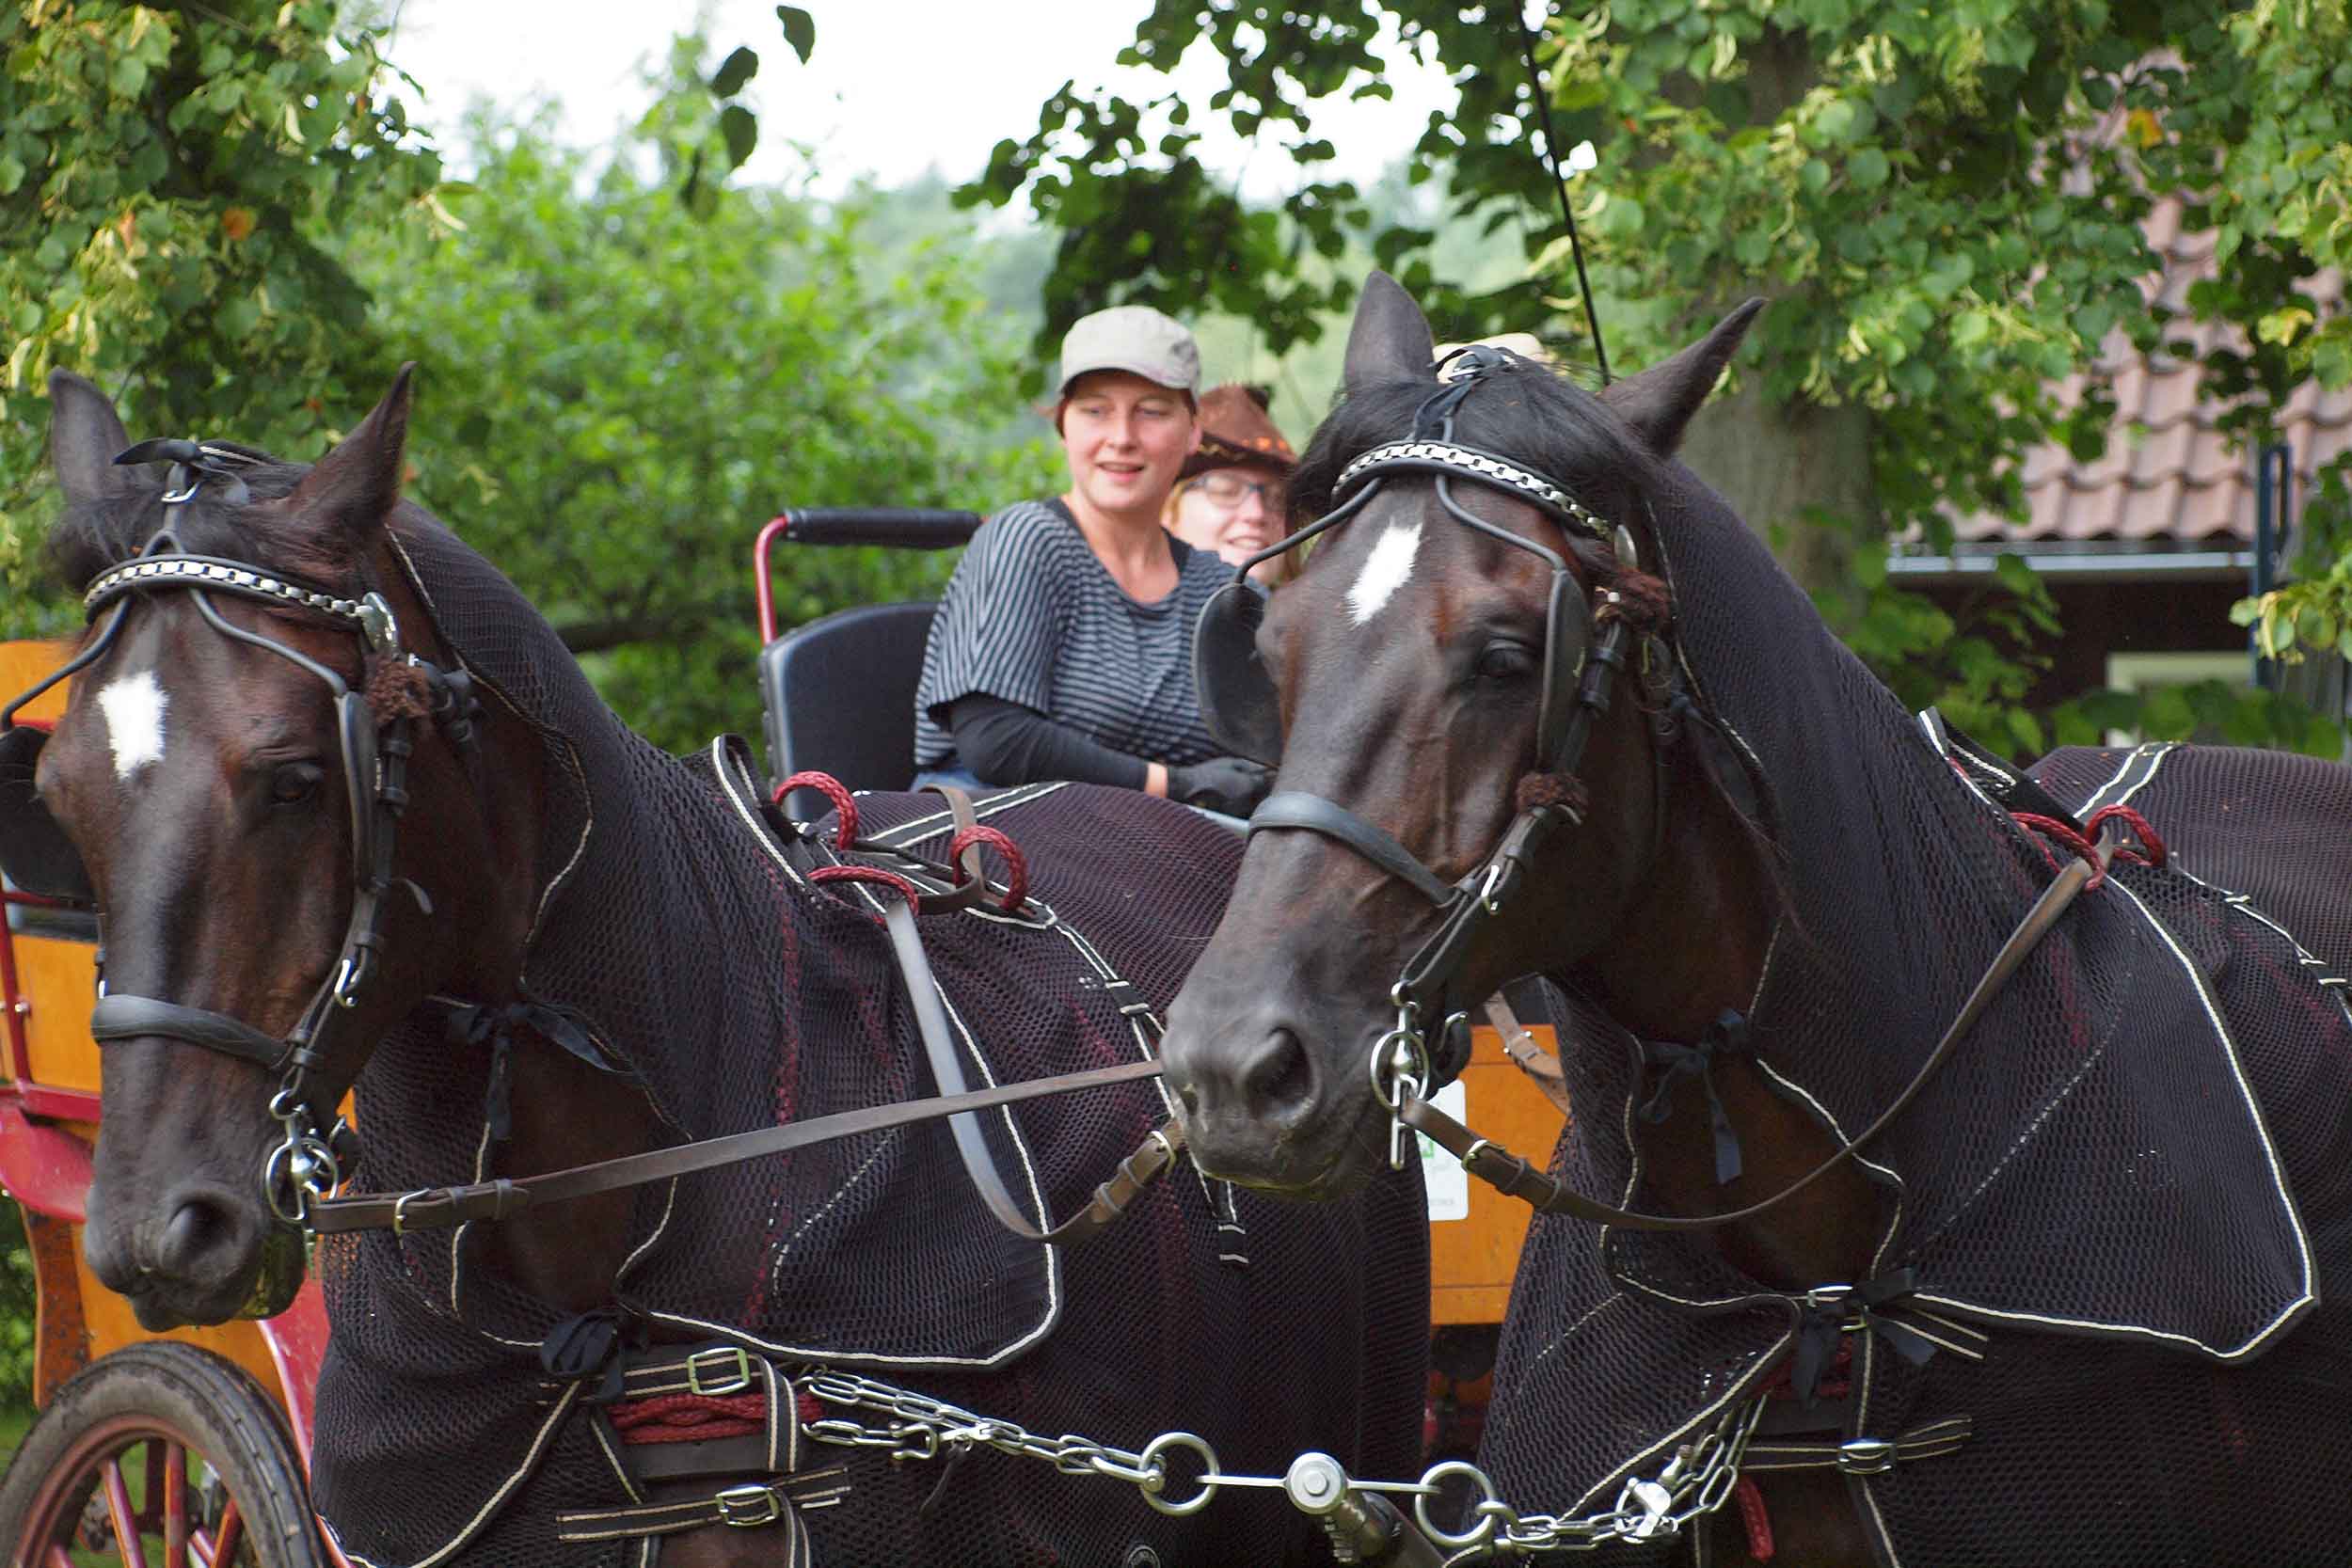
1506 661
295 782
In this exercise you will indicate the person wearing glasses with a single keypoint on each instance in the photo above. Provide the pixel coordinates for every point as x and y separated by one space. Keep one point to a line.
1231 497
1062 648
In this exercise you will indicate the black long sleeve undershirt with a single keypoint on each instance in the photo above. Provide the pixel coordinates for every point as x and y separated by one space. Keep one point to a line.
1009 744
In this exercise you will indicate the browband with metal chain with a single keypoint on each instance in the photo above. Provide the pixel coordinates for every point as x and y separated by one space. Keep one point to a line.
1445 457
369 613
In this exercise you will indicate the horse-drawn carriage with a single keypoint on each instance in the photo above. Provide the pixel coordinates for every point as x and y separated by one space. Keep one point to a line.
1981 1149
194 1442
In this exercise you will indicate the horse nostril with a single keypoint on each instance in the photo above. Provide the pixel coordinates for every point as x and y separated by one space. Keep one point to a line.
1279 1079
200 1226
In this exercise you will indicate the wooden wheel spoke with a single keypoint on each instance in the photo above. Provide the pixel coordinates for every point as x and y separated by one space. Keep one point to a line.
232 1535
174 1482
126 1524
56 1557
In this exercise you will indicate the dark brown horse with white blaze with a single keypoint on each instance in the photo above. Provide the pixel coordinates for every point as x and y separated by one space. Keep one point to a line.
1766 891
577 947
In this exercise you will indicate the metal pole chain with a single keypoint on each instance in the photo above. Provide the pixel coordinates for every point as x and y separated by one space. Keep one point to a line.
1697 1481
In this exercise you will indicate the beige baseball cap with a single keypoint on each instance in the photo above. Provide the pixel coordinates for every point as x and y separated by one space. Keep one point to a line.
1135 339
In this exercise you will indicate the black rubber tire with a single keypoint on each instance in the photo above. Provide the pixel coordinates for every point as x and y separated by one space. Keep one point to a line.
158 1391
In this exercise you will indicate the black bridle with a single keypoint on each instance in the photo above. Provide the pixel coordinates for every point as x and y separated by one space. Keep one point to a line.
1238 703
305 1165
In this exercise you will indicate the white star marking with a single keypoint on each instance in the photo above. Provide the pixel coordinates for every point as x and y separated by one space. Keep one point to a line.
134 707
1388 568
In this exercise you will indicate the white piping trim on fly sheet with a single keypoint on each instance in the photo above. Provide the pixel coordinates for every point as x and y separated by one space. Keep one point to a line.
2289 1314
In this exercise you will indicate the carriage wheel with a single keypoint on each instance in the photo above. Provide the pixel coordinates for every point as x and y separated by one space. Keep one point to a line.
158 1455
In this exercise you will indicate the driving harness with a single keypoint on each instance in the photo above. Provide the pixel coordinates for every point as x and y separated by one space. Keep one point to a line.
307 1163
1242 710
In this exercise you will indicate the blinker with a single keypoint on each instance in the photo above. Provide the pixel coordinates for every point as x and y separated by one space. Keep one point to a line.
1238 703
33 851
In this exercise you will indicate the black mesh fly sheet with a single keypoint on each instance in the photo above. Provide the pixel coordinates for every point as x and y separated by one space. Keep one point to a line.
2122 1213
691 945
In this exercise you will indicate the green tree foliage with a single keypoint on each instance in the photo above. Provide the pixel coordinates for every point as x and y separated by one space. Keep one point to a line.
174 184
614 397
1945 201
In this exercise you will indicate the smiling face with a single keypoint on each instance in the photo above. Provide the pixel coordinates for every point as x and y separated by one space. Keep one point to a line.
1233 513
1126 439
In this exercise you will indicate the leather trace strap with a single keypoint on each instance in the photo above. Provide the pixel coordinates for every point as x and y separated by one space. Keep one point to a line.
1515 1177
433 1208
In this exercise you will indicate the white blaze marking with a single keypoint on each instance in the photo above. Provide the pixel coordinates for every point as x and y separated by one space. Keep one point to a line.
134 707
1388 568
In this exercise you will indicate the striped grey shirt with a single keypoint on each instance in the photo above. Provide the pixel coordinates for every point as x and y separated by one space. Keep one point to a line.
1032 617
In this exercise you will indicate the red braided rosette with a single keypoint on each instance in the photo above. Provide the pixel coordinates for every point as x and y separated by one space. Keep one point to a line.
1016 866
844 803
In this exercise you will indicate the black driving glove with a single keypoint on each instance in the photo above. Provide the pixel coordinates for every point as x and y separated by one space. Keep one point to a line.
1233 785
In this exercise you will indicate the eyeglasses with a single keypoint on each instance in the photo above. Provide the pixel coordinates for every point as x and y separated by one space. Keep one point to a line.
1228 490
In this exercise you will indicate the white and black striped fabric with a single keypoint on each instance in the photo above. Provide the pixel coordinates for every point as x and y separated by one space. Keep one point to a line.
1032 617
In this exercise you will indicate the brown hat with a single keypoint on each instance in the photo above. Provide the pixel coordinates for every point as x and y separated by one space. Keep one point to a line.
1236 432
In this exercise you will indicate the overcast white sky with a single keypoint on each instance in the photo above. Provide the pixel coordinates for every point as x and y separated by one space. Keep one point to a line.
893 86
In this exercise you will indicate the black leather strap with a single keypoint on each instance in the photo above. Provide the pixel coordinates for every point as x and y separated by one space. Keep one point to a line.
121 1017
1293 808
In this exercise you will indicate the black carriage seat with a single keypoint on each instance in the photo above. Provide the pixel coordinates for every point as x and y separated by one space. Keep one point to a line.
839 691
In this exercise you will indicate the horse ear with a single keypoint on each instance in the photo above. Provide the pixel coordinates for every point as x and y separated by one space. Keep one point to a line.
1391 339
359 482
1659 401
84 433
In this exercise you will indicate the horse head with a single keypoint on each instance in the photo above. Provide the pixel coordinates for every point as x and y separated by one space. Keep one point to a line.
1483 643
272 783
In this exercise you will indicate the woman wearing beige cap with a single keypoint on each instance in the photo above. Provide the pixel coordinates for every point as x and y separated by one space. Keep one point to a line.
1230 498
1062 648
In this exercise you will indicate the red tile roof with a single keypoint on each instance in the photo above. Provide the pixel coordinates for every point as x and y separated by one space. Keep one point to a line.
2175 480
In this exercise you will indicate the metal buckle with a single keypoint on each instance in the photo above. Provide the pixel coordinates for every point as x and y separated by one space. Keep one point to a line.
1865 1456
400 1210
749 1506
377 625
722 1357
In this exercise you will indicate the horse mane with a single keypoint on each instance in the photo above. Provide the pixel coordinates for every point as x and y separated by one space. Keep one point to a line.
95 532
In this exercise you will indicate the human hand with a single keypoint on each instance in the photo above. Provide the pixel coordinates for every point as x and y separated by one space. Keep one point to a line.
1230 785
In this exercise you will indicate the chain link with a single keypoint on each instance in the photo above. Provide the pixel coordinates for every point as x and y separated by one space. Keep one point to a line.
1697 1481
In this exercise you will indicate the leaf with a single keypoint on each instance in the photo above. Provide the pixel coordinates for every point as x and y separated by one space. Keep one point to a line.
1971 327
736 70
741 129
800 30
1869 168
2015 576
11 174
